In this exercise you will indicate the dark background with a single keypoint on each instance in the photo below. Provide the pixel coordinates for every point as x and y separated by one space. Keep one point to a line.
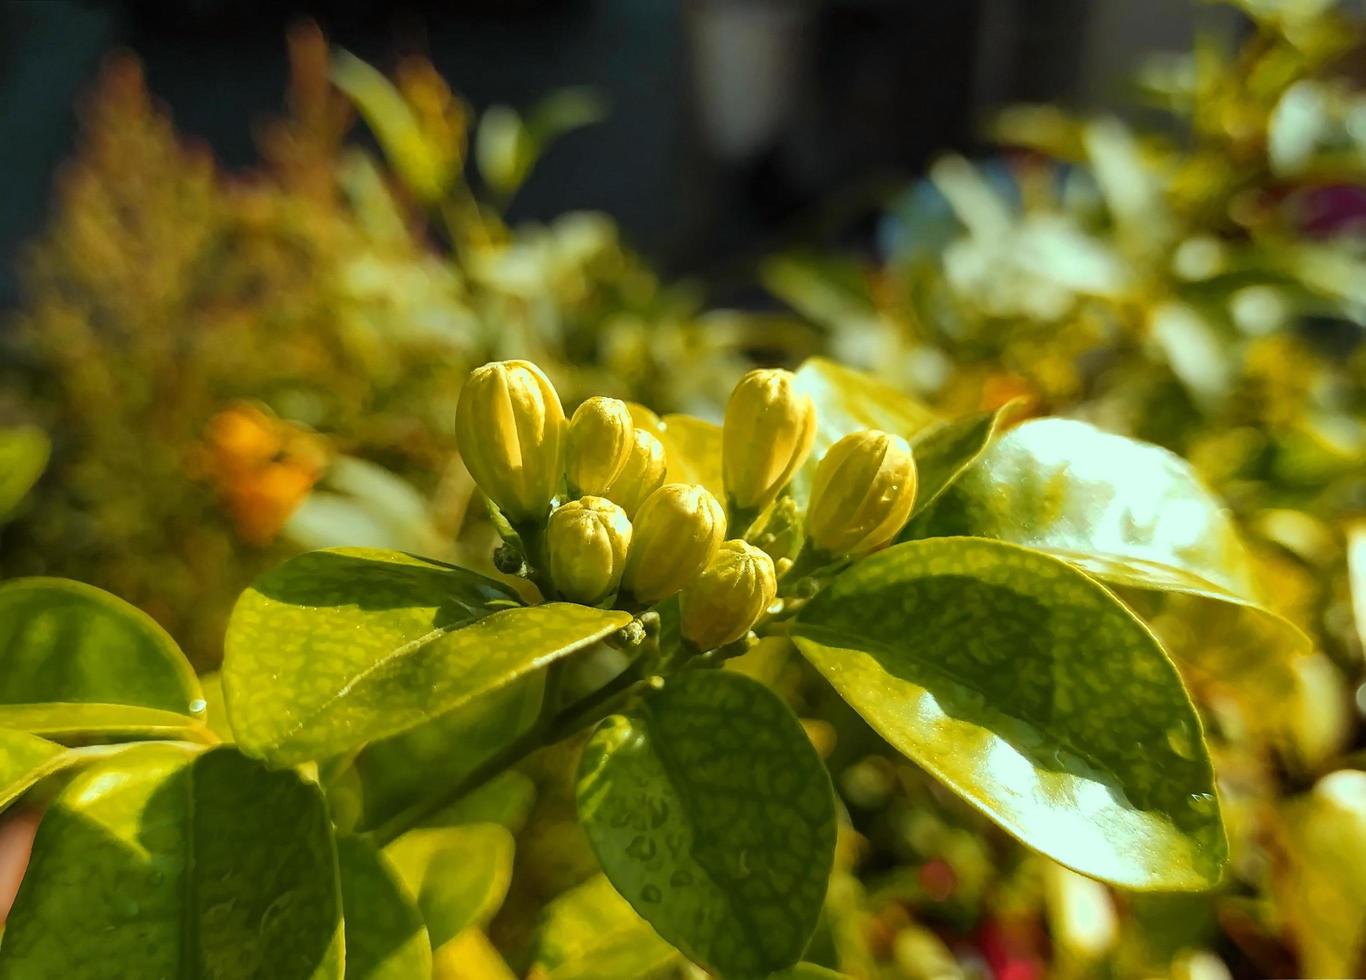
734 124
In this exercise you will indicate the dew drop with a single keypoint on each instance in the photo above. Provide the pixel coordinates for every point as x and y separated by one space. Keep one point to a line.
1202 802
680 878
641 848
1179 738
197 706
650 894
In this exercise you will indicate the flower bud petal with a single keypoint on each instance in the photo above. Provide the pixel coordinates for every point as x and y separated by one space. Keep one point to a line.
601 436
587 540
642 475
863 493
510 426
729 596
677 531
768 431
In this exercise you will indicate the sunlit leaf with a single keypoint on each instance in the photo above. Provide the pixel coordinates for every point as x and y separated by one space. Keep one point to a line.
693 447
335 649
470 956
943 453
23 456
163 862
714 817
459 875
1036 695
77 662
385 936
505 800
25 759
591 931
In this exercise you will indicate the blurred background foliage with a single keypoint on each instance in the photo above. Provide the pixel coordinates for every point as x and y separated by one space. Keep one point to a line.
232 363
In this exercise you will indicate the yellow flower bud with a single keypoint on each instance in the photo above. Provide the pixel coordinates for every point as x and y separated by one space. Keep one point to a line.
677 531
587 540
729 596
767 436
601 437
642 475
510 427
863 493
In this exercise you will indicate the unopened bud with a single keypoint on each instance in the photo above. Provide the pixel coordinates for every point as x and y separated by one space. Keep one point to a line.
862 494
601 436
588 540
510 427
677 531
730 595
642 475
766 438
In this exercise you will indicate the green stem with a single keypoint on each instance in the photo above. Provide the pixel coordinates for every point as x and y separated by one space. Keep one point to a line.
553 727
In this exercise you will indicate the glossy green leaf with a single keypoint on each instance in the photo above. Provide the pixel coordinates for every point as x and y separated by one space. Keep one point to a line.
945 452
164 862
23 457
75 661
591 931
405 769
460 875
338 648
693 448
24 760
1033 693
1125 511
385 935
848 400
714 817
807 971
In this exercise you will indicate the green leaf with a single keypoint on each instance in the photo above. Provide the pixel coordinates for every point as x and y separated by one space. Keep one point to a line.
1125 511
807 971
1034 694
591 932
460 875
385 936
23 457
714 817
163 862
693 448
24 760
505 800
848 400
943 453
338 648
403 770
76 662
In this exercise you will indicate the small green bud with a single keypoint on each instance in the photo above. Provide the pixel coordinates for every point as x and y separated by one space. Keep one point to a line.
601 437
642 475
729 596
677 531
767 436
588 540
510 428
863 493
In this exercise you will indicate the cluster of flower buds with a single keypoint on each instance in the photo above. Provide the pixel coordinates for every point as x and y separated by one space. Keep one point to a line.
590 492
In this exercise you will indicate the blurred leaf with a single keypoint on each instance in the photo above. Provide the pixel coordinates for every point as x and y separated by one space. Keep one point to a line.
23 457
363 505
403 770
1322 882
848 401
24 760
507 147
693 448
830 291
360 645
591 932
1356 568
505 800
460 875
424 167
76 661
247 854
470 956
1033 693
712 814
385 935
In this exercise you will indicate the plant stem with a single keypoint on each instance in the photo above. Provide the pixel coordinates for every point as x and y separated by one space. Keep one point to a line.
552 728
